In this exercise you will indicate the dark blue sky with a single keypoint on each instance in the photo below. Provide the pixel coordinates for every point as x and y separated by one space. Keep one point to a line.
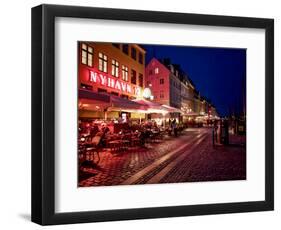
218 73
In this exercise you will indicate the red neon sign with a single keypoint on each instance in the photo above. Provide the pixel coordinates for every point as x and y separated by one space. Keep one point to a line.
111 82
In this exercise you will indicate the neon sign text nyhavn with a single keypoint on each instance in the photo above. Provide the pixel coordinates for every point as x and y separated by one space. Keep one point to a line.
113 83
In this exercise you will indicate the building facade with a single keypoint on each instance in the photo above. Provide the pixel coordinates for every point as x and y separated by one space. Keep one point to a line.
112 68
187 96
164 83
171 86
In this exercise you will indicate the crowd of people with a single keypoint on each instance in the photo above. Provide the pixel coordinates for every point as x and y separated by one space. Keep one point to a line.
144 129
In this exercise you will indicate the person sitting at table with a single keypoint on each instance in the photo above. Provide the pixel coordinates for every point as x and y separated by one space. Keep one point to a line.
104 128
155 126
94 130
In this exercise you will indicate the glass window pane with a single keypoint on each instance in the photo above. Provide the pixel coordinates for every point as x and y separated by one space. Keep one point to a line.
84 60
84 46
100 64
90 62
90 49
84 53
100 55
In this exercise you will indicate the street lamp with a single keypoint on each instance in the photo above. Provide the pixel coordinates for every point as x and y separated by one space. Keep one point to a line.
147 93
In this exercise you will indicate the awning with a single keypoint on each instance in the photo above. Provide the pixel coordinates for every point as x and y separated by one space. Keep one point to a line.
148 104
119 103
152 107
92 101
172 109
95 101
87 94
101 101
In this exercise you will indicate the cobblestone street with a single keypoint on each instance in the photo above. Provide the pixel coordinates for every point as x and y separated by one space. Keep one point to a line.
189 157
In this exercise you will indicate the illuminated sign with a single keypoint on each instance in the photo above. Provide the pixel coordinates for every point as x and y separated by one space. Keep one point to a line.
113 83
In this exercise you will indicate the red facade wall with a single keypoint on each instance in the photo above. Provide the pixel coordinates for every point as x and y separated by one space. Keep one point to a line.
161 92
89 77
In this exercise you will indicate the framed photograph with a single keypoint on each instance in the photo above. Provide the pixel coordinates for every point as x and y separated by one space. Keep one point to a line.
144 114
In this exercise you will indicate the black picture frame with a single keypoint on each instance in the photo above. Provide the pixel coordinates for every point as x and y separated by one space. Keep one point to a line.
43 114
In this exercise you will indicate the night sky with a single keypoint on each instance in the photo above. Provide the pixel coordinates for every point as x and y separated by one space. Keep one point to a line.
217 73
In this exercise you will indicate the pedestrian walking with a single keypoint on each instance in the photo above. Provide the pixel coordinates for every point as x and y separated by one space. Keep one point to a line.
174 127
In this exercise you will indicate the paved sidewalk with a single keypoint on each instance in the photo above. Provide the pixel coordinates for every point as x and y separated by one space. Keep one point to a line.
189 157
114 168
211 164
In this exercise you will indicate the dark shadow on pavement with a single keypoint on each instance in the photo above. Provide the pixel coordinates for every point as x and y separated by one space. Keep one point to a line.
237 145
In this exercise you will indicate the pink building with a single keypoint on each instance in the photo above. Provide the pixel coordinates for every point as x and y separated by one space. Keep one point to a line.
164 83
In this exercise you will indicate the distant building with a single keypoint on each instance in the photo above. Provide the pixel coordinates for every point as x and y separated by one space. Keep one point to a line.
187 96
164 82
169 85
213 112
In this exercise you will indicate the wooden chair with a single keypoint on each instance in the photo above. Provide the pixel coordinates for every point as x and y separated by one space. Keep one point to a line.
90 150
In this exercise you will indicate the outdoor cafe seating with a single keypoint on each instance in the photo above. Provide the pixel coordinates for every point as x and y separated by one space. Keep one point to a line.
123 140
92 144
88 149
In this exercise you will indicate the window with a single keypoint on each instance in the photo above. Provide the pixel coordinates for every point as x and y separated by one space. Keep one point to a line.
125 49
87 54
140 58
124 96
102 62
133 53
117 45
140 80
161 94
102 90
161 81
124 73
114 93
85 86
133 77
156 71
114 68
